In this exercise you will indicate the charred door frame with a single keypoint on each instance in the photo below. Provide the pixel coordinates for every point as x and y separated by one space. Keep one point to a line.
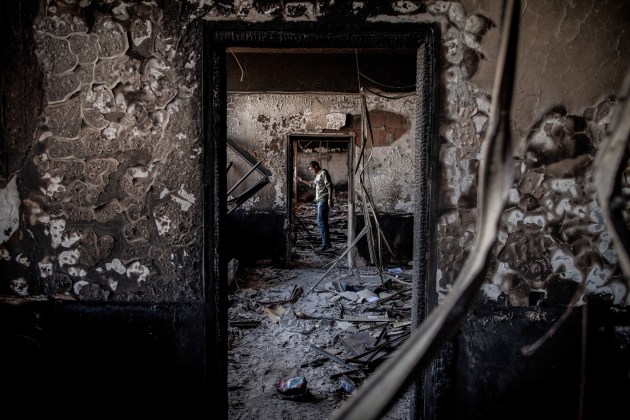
292 138
217 37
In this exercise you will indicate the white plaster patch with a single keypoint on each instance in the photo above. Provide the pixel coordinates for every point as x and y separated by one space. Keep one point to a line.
138 271
4 254
77 272
439 7
514 216
457 14
9 210
450 218
480 122
56 230
117 266
69 257
164 193
357 6
503 269
565 185
70 240
535 220
502 237
181 136
280 198
474 24
335 120
472 41
565 265
309 15
597 277
563 206
491 291
22 260
183 198
251 203
44 136
45 269
467 181
163 225
620 292
483 103
541 139
138 172
596 215
605 247
79 285
146 29
99 98
513 196
155 68
438 281
454 51
402 6
19 286
53 185
110 132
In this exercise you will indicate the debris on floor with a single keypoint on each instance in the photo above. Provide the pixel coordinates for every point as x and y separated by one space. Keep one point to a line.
283 335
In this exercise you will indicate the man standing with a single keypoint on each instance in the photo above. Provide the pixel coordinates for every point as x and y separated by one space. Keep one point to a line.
324 198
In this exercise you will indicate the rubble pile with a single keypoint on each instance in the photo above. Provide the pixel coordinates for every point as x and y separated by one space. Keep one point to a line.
303 340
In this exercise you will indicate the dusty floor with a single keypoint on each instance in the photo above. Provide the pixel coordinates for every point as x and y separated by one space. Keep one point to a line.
309 325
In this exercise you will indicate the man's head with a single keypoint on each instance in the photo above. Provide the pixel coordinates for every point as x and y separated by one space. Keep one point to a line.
313 166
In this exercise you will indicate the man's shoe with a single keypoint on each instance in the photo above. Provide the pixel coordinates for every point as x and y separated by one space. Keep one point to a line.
324 247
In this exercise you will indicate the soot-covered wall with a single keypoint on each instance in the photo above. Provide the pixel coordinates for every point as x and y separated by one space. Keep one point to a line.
98 205
101 183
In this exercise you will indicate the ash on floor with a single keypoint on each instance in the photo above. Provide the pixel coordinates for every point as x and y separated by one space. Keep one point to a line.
302 340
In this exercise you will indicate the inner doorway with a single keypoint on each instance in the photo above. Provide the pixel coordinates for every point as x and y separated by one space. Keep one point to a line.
335 153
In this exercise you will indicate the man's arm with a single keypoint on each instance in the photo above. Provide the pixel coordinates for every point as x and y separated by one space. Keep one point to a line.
309 183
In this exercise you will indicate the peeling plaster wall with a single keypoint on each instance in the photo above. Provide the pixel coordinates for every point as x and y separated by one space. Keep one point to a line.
261 123
110 188
109 194
100 191
571 62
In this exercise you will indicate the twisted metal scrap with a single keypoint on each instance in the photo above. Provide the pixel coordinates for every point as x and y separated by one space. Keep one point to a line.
607 175
391 379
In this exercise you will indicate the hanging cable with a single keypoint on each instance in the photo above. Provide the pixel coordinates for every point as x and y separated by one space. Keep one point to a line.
237 62
387 86
389 97
356 59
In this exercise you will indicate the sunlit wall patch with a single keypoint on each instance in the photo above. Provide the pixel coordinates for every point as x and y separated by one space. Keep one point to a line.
9 210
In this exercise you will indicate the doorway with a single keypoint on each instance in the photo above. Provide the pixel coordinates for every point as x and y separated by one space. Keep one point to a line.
218 40
335 153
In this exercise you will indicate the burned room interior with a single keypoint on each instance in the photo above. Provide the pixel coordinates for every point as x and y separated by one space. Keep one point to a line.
160 256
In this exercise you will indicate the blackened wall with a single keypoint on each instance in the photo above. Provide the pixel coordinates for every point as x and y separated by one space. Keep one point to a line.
589 380
102 187
60 356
